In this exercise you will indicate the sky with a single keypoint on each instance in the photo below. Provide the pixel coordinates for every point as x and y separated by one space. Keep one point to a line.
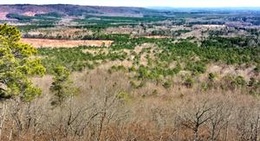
145 3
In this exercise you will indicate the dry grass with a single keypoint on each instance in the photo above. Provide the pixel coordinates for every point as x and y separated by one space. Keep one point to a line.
66 43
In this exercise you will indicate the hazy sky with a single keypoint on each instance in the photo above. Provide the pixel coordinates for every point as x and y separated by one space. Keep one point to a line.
145 3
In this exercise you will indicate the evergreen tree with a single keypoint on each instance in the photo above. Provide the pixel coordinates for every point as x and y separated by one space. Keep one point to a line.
18 61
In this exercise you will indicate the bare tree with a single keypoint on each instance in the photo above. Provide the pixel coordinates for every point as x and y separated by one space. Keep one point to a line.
195 114
221 116
2 117
247 123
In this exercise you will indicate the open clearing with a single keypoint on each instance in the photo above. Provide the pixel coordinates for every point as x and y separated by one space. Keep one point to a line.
66 43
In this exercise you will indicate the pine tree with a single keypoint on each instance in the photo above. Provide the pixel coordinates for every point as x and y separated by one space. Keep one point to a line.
18 62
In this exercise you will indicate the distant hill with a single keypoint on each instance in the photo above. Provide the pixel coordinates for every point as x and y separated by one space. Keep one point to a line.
74 10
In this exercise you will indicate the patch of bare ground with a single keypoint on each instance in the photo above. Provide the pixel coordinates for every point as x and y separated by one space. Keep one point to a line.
157 37
144 60
39 43
139 48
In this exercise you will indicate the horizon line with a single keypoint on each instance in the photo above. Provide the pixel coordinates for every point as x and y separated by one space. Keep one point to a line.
247 7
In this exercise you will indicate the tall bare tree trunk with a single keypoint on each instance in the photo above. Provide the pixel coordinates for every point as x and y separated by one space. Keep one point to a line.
196 132
104 114
3 116
11 132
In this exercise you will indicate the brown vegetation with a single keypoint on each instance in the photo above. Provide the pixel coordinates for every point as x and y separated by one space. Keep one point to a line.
109 108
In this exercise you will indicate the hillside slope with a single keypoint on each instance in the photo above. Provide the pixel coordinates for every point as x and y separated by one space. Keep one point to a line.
74 10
